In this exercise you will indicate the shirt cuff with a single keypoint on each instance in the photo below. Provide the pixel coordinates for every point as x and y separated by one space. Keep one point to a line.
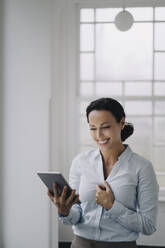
116 210
66 219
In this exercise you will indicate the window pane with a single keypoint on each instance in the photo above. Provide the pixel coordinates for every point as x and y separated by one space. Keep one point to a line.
124 55
138 108
144 149
159 130
108 89
141 139
159 66
86 67
160 14
161 181
159 36
141 14
86 89
107 14
159 158
85 137
83 106
86 37
87 15
160 107
159 89
138 89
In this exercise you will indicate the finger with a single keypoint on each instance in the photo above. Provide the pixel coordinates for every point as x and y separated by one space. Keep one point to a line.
76 199
107 186
102 187
63 195
70 198
55 190
98 187
50 195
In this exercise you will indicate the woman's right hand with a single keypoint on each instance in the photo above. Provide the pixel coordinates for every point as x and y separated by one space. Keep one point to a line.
64 205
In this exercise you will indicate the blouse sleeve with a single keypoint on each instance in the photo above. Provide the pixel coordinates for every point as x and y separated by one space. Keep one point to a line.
74 180
142 220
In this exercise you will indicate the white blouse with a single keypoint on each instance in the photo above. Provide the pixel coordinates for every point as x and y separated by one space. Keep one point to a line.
135 189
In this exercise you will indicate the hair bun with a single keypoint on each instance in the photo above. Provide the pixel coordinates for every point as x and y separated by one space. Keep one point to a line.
129 124
127 131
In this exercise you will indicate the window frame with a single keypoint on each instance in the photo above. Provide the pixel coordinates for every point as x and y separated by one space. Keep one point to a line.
119 4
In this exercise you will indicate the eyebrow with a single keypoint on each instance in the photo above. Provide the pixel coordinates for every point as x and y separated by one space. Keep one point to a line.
101 123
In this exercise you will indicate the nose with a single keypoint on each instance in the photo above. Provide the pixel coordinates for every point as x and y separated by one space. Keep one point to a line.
99 133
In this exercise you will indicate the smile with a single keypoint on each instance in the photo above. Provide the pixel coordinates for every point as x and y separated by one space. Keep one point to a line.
104 141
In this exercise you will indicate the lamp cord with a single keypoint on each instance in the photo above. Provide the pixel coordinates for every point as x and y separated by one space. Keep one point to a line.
123 5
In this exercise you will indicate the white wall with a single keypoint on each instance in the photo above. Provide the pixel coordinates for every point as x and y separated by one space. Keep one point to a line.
1 114
26 93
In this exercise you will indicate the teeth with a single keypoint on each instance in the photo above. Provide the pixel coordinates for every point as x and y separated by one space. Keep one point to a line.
103 142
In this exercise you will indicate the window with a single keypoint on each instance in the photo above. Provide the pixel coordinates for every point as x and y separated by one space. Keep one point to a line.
128 66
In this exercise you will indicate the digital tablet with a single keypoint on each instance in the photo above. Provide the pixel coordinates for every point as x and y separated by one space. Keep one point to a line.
49 178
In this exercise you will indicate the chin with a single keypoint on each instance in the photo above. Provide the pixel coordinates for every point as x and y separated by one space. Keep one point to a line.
105 148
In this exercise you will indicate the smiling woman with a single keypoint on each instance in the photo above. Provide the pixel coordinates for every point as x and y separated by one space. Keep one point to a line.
112 113
106 118
117 187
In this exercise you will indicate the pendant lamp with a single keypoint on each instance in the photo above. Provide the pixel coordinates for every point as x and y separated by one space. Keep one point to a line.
124 20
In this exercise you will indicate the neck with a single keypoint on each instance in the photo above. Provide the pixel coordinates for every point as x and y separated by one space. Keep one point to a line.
111 156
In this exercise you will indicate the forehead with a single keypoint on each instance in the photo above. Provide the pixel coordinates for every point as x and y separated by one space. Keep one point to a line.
100 116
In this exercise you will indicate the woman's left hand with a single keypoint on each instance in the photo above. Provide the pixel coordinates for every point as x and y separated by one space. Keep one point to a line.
104 196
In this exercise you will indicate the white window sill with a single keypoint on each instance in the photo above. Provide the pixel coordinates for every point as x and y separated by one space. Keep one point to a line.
162 194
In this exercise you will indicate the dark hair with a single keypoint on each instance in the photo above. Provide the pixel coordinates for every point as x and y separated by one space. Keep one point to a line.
116 109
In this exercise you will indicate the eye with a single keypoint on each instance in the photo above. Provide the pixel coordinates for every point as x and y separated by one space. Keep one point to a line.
107 127
92 129
102 127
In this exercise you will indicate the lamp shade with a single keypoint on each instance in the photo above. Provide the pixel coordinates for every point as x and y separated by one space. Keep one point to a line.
124 20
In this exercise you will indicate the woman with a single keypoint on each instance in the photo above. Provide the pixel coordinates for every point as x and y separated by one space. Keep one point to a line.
116 186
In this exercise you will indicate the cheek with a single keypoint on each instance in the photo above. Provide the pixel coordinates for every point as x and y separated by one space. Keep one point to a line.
113 133
116 134
92 134
108 132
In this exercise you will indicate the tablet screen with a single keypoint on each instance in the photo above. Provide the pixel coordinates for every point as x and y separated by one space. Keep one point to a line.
50 177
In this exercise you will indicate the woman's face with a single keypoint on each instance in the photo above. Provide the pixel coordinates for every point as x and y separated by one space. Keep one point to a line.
104 129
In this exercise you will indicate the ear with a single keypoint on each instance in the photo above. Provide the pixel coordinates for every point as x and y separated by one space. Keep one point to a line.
122 123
